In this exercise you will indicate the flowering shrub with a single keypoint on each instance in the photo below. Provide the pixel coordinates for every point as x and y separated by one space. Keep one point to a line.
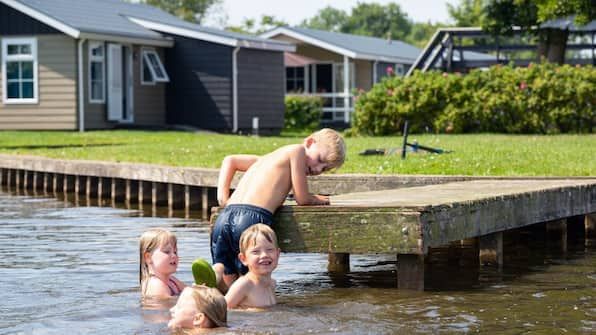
542 98
303 112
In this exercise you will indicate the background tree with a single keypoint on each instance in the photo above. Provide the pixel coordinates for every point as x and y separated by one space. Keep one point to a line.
328 18
189 10
250 26
376 20
468 13
503 15
368 19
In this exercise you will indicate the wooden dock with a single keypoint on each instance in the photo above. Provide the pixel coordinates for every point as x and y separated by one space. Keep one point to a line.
409 216
411 221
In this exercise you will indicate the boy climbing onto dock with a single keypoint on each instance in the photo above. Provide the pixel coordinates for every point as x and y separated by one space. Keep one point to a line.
263 188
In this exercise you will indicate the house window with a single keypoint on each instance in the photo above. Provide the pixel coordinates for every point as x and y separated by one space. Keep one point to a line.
152 70
96 72
19 70
295 79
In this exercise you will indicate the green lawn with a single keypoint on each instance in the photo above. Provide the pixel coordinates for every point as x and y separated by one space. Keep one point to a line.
479 154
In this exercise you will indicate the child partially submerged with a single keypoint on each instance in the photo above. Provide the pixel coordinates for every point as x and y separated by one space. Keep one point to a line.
158 258
199 306
260 253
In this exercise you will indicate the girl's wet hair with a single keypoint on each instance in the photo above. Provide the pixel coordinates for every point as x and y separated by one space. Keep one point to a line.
249 236
150 241
212 303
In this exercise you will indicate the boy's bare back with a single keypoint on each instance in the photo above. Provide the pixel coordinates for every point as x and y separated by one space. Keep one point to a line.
270 178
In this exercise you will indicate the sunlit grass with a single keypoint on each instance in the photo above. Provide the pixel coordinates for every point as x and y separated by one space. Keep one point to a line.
478 154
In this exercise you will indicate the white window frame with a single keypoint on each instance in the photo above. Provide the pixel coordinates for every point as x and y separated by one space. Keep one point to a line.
15 58
97 59
146 54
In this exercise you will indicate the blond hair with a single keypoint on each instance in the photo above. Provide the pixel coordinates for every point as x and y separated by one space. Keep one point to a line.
249 236
212 303
334 142
150 241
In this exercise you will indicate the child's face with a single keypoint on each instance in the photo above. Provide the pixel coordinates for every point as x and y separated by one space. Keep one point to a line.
316 158
261 257
185 311
164 260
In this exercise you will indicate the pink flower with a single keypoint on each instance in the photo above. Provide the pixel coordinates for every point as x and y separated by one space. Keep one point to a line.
389 70
389 92
577 66
530 65
523 86
445 74
360 91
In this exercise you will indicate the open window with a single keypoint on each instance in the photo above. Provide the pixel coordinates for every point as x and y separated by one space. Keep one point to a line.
152 70
19 71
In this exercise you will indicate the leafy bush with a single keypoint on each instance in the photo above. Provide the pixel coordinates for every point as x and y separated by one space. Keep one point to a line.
544 98
302 113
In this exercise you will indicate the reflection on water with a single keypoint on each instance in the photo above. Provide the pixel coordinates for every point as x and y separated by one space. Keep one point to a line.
74 270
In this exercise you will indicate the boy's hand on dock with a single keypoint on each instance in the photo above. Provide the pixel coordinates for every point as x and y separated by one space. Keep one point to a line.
320 199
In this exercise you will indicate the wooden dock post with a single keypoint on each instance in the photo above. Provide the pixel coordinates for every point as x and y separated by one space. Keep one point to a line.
410 272
556 233
205 202
491 249
338 262
8 178
590 226
17 181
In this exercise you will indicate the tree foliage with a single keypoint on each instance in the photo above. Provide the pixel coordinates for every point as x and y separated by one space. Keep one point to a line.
369 19
188 10
468 13
328 18
250 26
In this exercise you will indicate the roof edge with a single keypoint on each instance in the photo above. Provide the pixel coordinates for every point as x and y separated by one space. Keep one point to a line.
42 17
165 42
309 39
232 42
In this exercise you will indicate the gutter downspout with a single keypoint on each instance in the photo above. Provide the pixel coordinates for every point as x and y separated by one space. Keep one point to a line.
235 90
81 87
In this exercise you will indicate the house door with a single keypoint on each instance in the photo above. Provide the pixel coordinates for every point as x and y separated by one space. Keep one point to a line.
115 83
119 79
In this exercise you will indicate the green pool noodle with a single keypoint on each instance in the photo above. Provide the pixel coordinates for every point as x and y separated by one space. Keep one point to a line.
203 273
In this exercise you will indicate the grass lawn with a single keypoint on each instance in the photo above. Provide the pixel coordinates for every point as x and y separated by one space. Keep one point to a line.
478 154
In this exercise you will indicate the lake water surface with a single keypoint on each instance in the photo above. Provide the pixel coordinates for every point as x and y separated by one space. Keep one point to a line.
74 270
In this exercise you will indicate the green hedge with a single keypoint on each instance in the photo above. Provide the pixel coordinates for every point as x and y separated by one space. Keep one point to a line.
303 113
541 98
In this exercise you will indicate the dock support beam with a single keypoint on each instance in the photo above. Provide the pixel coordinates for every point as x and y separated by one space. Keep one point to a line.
410 272
338 262
491 249
556 232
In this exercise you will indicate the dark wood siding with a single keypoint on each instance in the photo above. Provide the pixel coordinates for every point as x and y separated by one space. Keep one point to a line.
13 22
261 90
200 90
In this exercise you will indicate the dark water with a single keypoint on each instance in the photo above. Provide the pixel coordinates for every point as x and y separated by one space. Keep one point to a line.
74 270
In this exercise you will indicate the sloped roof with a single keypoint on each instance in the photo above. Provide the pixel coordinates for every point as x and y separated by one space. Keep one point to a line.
116 18
568 23
353 46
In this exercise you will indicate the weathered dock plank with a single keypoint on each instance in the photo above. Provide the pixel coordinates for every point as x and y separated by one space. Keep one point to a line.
410 220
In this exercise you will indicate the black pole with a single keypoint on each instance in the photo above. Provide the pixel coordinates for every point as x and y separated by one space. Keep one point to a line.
405 143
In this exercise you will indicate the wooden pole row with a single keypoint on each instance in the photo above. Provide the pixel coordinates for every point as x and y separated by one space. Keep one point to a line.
113 191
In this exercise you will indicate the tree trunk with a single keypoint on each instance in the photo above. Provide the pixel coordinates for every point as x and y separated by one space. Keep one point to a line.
553 45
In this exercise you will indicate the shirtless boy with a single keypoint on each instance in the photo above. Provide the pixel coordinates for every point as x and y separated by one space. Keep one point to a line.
260 253
263 188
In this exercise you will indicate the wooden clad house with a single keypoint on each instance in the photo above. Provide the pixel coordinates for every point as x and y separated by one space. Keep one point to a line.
332 65
100 64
